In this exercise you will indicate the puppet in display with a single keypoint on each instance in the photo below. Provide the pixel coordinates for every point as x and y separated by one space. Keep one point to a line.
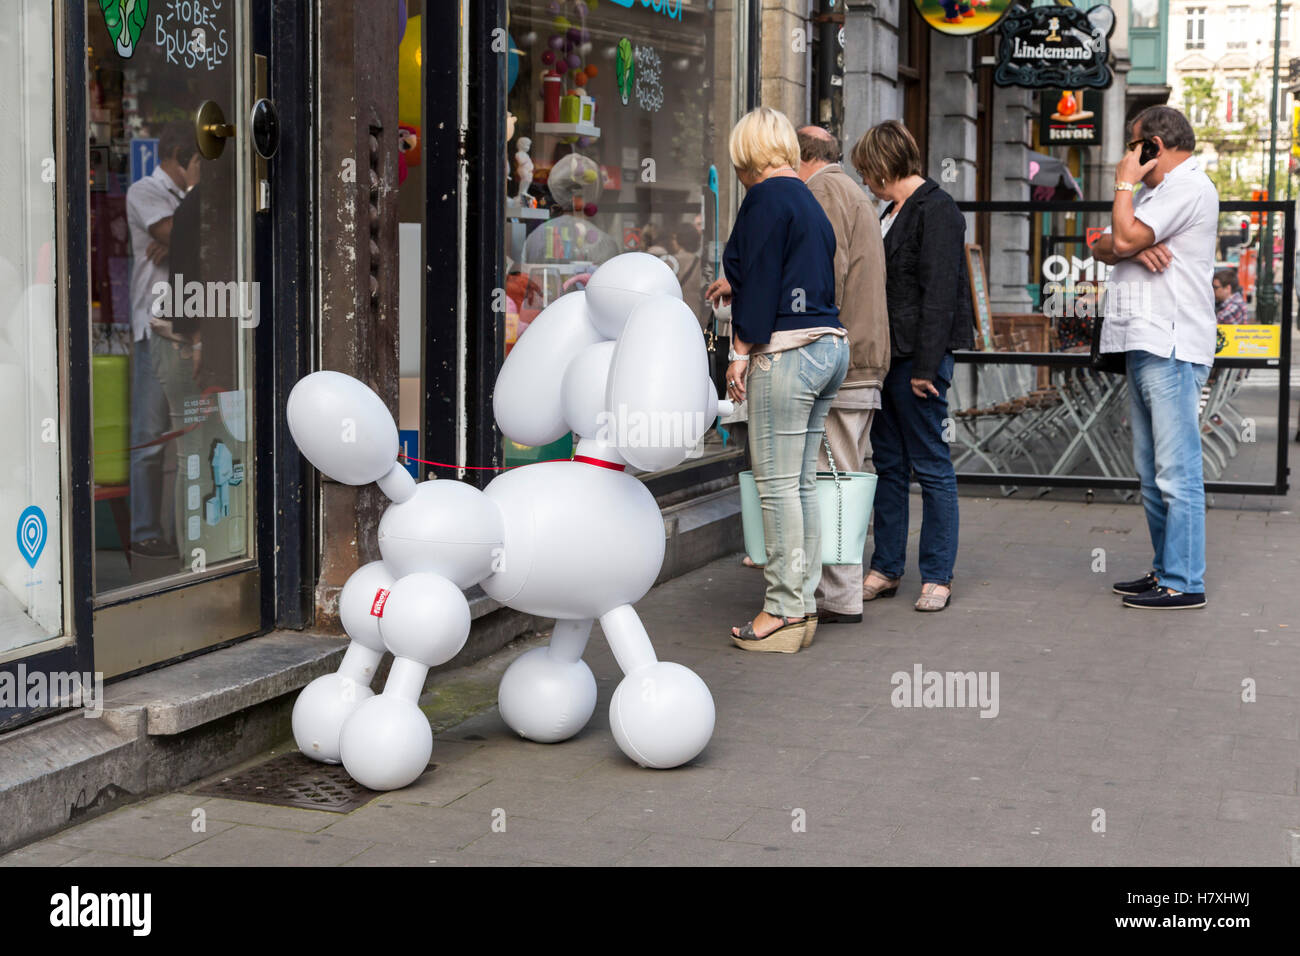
623 366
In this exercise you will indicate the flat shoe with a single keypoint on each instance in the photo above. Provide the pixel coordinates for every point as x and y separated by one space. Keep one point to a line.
835 617
872 591
932 601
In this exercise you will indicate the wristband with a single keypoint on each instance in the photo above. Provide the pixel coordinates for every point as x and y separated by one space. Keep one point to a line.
1123 187
733 357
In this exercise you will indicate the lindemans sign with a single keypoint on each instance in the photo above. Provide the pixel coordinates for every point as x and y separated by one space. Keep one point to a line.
1055 47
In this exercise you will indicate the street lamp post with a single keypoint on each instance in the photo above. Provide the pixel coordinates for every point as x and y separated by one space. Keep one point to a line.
1266 308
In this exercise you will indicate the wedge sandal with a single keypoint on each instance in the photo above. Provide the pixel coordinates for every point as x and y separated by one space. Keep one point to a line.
786 639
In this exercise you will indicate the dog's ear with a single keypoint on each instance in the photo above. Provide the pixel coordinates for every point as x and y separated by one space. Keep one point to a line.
659 393
342 427
526 401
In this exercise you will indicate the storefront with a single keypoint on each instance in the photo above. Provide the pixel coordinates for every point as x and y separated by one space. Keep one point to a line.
599 127
159 162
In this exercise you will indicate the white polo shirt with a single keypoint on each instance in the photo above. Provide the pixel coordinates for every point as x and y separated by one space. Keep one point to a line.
1171 312
150 199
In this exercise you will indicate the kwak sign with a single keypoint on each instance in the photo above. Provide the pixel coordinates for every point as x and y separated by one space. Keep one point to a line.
1055 47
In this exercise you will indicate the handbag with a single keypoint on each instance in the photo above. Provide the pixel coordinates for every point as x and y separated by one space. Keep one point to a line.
1113 362
844 501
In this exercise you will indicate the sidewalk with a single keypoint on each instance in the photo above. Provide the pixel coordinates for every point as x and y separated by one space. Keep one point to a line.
1121 736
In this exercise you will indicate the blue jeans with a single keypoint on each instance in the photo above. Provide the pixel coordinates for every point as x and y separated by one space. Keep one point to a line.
789 395
1166 394
149 418
907 436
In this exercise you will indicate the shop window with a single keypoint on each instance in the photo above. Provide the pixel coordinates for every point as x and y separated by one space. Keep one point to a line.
173 308
617 131
31 576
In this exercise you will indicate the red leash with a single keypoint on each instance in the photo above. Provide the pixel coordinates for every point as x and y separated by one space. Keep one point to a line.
582 458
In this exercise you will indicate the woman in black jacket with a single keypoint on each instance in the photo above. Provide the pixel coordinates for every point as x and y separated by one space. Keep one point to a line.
928 297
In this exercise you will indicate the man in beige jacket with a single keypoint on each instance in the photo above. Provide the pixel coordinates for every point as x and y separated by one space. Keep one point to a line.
860 296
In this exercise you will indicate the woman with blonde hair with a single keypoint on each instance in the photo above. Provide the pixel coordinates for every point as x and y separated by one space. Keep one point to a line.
930 314
789 356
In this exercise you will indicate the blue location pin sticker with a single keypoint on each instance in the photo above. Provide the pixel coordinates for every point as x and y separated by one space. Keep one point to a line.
31 534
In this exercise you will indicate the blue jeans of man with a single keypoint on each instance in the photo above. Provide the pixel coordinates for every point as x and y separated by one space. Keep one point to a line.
149 418
789 395
1165 394
908 435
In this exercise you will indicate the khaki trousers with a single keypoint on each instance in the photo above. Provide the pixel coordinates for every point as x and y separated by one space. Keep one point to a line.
849 432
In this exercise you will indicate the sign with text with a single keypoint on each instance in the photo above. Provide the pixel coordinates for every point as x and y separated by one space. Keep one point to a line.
1248 341
1070 117
1055 47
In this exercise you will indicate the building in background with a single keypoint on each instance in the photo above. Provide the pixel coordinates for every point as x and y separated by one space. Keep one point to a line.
1220 74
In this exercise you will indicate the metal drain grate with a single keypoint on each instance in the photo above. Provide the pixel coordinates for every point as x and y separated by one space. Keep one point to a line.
292 780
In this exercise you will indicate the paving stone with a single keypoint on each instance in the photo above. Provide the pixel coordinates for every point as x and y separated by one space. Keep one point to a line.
42 854
141 831
547 841
267 815
245 845
384 821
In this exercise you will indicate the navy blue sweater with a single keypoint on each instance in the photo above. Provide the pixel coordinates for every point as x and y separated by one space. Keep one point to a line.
780 261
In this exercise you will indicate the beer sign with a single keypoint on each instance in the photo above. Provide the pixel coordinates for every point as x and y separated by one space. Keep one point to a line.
1055 48
1070 117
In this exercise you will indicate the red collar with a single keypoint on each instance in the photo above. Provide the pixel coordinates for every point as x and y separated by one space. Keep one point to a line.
599 461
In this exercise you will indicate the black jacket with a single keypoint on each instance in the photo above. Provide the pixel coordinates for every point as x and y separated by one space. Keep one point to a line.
926 284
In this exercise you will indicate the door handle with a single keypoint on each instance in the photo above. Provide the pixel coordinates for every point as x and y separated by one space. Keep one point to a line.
211 130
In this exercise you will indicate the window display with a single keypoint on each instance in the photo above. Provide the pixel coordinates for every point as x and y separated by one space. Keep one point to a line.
616 133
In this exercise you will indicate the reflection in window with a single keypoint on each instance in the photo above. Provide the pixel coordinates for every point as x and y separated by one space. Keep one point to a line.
31 583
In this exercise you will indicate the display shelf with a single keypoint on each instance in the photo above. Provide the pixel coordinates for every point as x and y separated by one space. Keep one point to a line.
568 129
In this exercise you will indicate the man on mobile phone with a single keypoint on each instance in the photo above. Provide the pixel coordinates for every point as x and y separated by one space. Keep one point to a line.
1160 312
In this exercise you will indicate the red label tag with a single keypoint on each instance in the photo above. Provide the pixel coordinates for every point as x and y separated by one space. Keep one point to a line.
377 606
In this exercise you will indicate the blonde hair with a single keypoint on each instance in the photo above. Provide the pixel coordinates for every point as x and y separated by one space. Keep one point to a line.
762 139
885 154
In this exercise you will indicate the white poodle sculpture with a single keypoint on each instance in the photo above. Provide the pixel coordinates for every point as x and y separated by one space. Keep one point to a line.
623 366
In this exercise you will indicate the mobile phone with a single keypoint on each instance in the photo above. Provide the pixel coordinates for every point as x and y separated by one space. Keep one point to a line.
1149 151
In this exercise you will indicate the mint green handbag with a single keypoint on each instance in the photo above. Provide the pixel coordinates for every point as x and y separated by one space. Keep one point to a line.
844 498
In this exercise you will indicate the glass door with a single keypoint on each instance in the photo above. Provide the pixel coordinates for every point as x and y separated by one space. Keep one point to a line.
174 305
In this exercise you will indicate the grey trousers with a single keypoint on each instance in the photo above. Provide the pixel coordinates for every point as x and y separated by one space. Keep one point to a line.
849 432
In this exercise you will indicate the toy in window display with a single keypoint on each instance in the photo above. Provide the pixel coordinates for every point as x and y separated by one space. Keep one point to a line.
524 169
622 365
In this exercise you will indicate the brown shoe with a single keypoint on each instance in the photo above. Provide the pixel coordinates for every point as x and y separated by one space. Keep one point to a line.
877 585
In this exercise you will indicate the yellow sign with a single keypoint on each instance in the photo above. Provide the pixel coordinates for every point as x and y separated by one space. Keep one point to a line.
1249 341
1295 130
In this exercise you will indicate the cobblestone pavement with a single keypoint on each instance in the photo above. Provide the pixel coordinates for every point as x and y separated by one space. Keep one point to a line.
1121 737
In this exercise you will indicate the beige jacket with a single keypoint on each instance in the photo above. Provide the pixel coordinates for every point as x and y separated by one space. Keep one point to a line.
859 273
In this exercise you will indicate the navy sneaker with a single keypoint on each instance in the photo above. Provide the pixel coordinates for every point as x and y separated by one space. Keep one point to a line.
1163 599
1140 586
